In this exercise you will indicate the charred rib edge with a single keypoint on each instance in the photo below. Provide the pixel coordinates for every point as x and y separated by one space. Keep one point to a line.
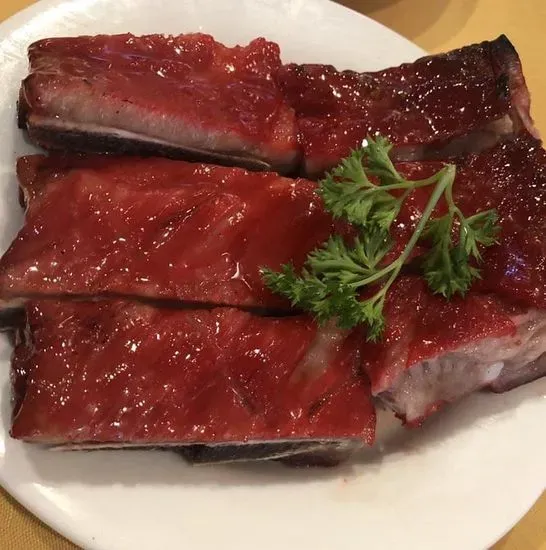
53 134
318 452
11 308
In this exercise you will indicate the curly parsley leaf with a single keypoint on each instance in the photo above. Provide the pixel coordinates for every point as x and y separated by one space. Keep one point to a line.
337 273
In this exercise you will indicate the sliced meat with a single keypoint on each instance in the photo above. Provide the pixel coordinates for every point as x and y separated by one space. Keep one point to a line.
438 106
158 228
115 373
184 96
510 177
436 351
173 230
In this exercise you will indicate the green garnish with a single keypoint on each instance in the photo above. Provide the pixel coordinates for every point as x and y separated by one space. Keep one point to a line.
335 274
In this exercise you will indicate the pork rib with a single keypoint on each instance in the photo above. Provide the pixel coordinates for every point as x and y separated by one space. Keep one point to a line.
158 228
184 96
169 229
437 351
510 177
438 106
115 373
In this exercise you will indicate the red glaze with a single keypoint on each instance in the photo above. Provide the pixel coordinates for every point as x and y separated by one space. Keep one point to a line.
158 228
421 326
511 178
427 103
188 90
119 372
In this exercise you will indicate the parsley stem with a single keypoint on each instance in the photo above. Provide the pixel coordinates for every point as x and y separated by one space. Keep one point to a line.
445 179
454 210
411 185
376 276
332 265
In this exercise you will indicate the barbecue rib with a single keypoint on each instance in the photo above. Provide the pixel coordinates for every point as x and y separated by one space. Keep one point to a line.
510 177
169 229
437 351
158 228
192 97
436 107
114 373
186 96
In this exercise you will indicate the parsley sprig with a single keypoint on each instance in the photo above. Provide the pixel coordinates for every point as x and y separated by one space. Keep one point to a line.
336 274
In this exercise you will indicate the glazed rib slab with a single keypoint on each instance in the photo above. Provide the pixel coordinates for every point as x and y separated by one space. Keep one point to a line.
191 97
439 106
184 96
164 229
117 373
178 215
158 228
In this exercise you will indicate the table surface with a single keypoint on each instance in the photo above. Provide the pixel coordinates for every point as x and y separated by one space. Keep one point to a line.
436 25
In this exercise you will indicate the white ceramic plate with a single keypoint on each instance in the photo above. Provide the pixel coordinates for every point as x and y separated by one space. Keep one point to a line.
459 483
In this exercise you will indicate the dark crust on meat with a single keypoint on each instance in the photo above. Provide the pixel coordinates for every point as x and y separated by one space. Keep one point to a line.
20 339
328 456
23 108
11 318
505 60
293 453
51 137
298 454
11 310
